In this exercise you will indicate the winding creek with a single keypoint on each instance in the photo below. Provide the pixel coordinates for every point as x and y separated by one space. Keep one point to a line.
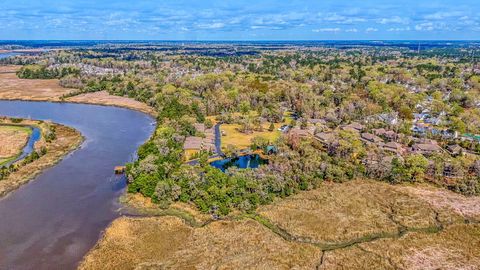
29 146
54 220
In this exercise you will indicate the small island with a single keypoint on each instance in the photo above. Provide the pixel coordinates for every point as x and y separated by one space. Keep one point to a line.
30 146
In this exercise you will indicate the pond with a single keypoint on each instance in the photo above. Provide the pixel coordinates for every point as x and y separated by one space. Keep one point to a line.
242 162
51 222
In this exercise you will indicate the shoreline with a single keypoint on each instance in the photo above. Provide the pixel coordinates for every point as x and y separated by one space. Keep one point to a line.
31 127
49 90
48 100
72 140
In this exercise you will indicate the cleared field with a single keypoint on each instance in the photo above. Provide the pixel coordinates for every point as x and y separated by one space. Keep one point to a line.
242 140
12 140
168 243
355 225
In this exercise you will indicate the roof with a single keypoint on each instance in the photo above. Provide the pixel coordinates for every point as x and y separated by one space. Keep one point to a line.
379 131
393 145
454 148
325 137
317 121
357 126
199 127
354 126
194 143
371 137
428 147
299 132
390 133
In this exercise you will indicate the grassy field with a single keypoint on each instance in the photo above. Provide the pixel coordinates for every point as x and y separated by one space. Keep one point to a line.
355 225
242 140
13 139
67 140
335 214
168 243
13 88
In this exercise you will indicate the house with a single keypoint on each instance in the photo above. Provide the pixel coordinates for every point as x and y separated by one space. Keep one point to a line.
317 121
379 131
370 138
391 135
325 137
193 145
199 127
301 133
387 134
354 127
426 148
455 150
394 147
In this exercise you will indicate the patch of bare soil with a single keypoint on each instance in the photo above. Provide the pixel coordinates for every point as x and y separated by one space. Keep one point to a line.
168 243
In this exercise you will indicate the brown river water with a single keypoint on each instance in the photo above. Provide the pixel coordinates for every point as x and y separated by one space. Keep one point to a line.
54 220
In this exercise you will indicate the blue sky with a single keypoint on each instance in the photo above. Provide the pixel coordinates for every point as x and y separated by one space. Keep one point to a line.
239 20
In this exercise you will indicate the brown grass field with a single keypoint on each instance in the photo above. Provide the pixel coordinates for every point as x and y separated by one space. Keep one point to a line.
104 98
12 140
355 225
13 88
168 243
67 140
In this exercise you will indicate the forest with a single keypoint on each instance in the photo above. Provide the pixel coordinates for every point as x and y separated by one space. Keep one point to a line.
427 98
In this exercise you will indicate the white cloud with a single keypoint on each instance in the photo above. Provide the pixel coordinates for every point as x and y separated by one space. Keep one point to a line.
352 30
271 27
216 25
428 26
443 15
394 19
327 30
340 19
431 26
371 29
399 29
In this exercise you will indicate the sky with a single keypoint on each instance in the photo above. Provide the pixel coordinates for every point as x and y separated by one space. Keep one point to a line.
240 20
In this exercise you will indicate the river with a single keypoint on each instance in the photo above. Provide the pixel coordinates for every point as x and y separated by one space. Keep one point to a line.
54 220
